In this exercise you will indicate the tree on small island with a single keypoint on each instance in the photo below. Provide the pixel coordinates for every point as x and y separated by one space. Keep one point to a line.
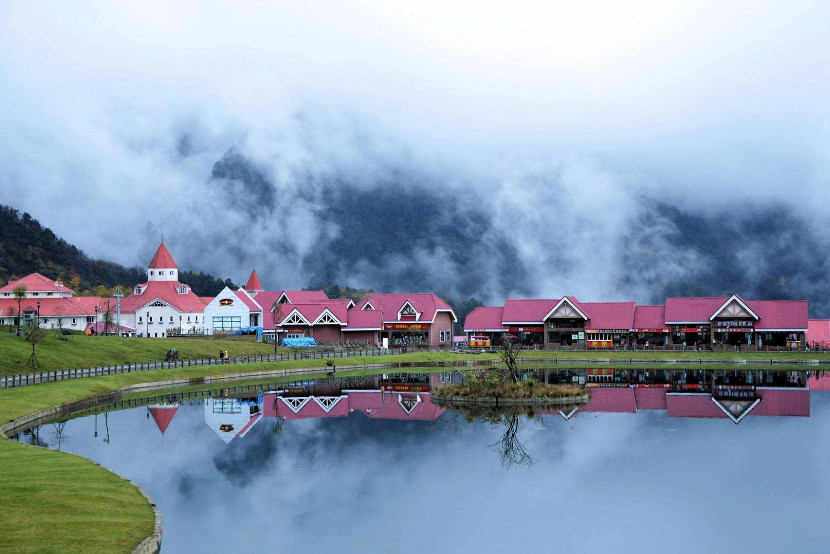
509 354
19 294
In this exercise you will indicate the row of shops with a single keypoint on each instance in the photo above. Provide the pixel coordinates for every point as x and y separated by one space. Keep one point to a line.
690 323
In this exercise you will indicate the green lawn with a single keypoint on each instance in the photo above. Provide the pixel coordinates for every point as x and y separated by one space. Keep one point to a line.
83 351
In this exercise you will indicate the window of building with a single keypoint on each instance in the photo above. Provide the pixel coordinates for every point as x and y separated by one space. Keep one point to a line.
171 319
227 323
34 294
183 289
139 319
150 318
48 294
90 318
197 319
73 321
151 272
171 272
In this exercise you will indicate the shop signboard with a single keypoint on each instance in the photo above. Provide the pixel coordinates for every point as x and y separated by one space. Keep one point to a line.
406 388
294 331
411 327
581 335
652 330
535 329
734 323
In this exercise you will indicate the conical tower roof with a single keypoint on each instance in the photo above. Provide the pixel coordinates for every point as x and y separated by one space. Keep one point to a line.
162 259
253 283
163 415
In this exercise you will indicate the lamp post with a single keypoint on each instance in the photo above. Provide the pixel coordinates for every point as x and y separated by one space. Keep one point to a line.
148 325
33 363
118 296
95 321
180 325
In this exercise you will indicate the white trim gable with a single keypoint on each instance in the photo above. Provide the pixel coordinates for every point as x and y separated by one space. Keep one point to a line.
367 306
295 403
573 309
734 299
570 414
156 303
327 403
452 313
295 318
737 409
408 404
410 312
283 295
327 318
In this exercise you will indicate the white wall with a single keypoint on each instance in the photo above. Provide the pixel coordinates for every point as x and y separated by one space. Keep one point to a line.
236 308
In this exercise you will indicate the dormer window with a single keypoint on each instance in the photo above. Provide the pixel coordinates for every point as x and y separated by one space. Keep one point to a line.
182 289
152 272
408 311
367 306
138 290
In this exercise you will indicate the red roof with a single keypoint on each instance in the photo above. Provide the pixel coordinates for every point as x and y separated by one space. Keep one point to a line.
772 314
166 291
693 405
774 402
163 415
372 403
649 317
162 259
338 307
247 300
819 380
304 296
528 311
426 304
364 319
253 283
818 332
49 307
608 315
611 399
36 282
485 317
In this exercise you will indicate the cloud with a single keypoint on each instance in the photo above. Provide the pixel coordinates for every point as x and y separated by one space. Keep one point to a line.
544 149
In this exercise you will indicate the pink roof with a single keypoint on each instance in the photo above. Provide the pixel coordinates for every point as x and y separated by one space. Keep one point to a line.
485 317
253 283
101 327
304 296
36 282
162 259
818 332
772 314
427 304
167 291
650 398
338 307
528 311
693 405
364 319
611 399
365 401
774 402
247 300
163 415
820 380
608 315
49 307
391 408
649 317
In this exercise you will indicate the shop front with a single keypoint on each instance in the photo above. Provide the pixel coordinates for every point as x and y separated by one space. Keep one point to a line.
734 332
646 338
606 338
691 337
566 332
527 335
406 334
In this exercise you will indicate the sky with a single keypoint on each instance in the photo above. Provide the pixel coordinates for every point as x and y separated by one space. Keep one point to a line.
536 115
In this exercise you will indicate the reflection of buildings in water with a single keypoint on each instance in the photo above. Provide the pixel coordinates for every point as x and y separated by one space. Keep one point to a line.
389 396
232 417
163 414
764 401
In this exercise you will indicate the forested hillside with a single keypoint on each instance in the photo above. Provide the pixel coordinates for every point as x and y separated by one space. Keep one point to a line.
28 247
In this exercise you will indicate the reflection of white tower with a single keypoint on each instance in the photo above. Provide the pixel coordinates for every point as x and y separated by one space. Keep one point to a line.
231 417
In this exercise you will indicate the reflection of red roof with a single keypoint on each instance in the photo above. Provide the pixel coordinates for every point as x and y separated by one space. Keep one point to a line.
693 405
373 403
36 282
162 259
819 381
818 332
649 317
485 317
426 304
611 399
253 283
166 291
774 402
649 398
163 415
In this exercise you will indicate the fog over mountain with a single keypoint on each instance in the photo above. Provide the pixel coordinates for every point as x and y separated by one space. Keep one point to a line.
606 151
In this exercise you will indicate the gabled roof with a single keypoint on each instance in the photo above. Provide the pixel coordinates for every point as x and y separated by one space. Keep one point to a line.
311 312
772 314
735 299
162 259
248 300
49 307
35 282
253 283
570 301
485 318
167 292
302 296
527 310
609 315
426 304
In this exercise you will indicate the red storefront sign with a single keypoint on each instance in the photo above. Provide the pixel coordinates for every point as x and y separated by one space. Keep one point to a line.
734 330
294 331
406 388
538 329
406 326
652 330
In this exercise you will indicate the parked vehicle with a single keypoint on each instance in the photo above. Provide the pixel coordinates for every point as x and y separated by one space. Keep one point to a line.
480 341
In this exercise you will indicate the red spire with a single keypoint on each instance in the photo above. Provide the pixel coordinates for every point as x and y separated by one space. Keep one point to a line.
163 415
162 259
253 282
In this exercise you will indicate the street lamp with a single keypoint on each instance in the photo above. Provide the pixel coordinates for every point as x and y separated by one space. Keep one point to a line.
180 325
95 321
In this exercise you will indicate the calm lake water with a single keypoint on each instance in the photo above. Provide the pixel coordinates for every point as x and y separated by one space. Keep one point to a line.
378 470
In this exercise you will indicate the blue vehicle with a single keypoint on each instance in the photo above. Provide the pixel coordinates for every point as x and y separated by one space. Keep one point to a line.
299 342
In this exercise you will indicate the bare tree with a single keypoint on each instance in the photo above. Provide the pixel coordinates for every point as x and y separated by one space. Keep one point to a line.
19 294
108 319
511 450
509 353
59 318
